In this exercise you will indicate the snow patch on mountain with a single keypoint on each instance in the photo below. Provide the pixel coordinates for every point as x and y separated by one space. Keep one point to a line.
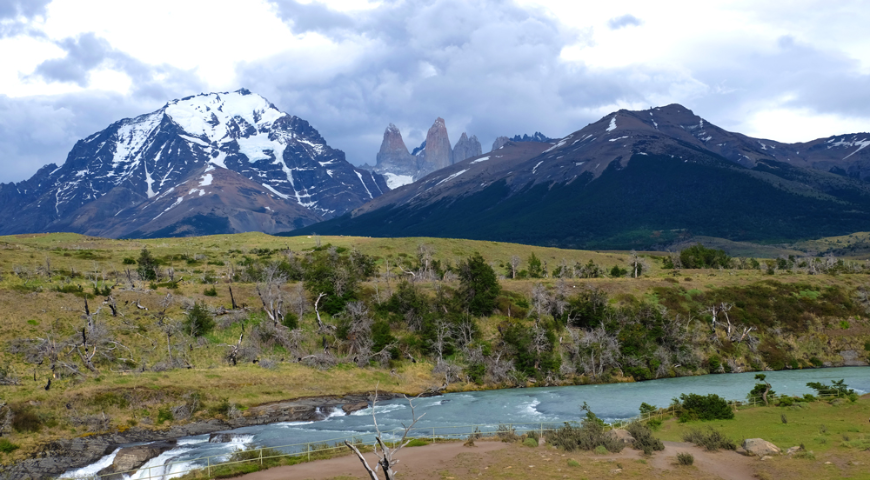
395 181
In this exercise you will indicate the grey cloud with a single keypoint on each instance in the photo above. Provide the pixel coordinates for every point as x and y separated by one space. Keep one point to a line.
88 52
626 20
35 131
15 13
822 81
488 67
22 8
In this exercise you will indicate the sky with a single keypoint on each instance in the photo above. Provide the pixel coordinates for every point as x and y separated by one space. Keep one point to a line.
788 71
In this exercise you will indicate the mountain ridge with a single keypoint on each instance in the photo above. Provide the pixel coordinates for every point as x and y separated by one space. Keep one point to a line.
140 161
623 144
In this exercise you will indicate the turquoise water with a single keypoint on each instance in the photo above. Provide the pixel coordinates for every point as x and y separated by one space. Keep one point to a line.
491 408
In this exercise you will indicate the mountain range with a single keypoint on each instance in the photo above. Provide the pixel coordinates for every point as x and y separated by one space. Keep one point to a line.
633 179
211 163
401 167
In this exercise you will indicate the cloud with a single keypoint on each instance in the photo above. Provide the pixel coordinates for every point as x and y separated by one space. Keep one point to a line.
490 68
626 20
41 130
87 53
15 14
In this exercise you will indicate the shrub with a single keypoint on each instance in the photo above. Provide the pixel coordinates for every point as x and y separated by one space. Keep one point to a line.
601 450
701 407
164 414
25 420
712 440
417 442
573 463
646 408
507 433
129 261
698 256
210 292
644 440
785 402
783 418
589 435
654 423
686 459
6 446
199 320
837 387
530 442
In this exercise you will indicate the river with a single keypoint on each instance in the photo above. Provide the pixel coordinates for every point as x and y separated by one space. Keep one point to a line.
491 408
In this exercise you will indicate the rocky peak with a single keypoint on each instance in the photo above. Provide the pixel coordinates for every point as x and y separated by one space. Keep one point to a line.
466 148
393 159
499 142
438 153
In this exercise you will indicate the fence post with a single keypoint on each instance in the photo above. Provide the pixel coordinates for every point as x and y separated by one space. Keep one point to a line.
433 435
308 447
209 466
261 457
542 431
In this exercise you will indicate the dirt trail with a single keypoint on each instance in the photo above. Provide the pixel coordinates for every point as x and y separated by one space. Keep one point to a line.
724 463
426 462
416 462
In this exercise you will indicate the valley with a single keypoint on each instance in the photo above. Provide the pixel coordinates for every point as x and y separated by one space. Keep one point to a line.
212 330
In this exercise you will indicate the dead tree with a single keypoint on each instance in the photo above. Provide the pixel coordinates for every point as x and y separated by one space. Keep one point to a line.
321 327
515 263
233 354
233 299
385 454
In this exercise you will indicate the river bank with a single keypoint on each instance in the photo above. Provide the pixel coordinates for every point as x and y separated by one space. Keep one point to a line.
543 404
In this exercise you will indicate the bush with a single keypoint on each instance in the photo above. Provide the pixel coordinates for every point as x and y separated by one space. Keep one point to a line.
147 266
685 459
6 446
699 256
507 433
601 450
24 420
644 440
573 463
837 387
530 442
654 423
712 440
785 402
210 292
199 320
164 414
589 435
704 407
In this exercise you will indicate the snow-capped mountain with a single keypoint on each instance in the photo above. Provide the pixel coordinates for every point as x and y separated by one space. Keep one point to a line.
634 179
211 163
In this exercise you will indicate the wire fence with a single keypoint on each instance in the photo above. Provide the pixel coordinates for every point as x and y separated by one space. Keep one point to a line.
326 448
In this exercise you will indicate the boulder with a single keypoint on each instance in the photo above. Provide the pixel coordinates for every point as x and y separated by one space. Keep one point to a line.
354 407
131 458
620 435
759 447
793 450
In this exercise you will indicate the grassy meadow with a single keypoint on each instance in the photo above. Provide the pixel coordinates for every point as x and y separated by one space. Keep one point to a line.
141 371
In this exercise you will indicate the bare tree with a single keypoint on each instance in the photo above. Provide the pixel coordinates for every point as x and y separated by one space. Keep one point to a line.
443 331
638 263
514 263
540 301
385 454
360 332
270 294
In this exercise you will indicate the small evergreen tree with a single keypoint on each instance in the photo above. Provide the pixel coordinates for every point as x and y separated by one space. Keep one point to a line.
147 266
199 320
478 286
536 270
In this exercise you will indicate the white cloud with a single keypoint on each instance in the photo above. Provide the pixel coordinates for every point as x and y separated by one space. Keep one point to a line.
489 67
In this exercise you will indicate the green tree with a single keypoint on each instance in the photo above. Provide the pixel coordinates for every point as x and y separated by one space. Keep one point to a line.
535 269
478 286
699 256
147 266
199 320
761 389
